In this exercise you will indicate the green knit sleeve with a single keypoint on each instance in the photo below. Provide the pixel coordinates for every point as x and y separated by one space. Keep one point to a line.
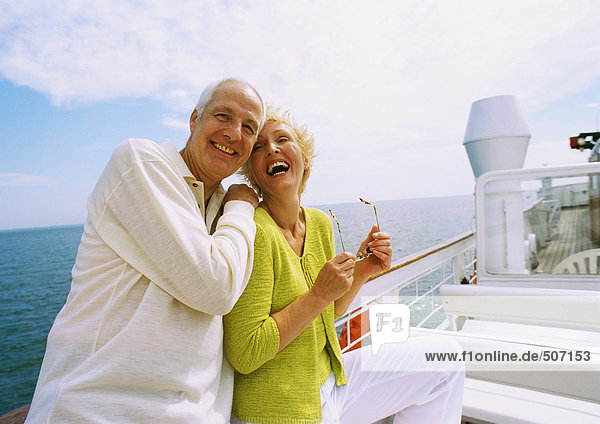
251 336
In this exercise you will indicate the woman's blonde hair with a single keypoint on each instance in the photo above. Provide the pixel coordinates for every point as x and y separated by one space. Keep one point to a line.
301 135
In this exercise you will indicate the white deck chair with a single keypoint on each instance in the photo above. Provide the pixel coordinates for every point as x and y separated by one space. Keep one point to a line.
584 262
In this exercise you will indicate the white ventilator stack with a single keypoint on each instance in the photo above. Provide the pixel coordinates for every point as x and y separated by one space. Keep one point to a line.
496 138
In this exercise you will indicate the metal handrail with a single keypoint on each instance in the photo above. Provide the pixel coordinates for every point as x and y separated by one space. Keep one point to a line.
416 268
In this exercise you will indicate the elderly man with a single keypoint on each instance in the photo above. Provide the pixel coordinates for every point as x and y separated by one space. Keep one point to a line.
164 254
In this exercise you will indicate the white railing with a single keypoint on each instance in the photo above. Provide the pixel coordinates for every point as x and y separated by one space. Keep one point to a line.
415 280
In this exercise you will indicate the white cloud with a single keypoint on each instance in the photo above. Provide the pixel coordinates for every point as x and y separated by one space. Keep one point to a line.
176 123
387 83
16 179
339 51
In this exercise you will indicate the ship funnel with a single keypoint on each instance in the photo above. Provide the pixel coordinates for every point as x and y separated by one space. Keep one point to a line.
496 136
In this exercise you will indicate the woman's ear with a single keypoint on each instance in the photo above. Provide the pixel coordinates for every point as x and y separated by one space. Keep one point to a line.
252 182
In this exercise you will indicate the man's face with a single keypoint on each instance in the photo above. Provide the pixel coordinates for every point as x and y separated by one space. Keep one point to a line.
222 138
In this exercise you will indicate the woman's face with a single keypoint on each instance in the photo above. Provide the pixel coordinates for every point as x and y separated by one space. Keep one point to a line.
276 160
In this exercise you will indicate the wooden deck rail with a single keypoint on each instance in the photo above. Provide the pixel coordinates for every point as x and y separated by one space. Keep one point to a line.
15 417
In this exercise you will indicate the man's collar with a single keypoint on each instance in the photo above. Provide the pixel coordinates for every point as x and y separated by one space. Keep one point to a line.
216 199
175 157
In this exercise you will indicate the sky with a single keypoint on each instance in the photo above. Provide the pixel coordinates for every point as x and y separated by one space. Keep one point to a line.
386 87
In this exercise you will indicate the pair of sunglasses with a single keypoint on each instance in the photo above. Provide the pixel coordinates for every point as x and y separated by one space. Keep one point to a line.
367 252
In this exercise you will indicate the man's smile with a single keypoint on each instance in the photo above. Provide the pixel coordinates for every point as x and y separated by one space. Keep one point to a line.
225 149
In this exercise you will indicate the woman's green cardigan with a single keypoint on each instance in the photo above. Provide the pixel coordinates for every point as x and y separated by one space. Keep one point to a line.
271 387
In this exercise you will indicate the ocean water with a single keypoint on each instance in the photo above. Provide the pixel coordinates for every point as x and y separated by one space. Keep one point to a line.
414 224
35 273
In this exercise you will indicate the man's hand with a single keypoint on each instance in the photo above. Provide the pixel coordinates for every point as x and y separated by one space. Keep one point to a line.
241 192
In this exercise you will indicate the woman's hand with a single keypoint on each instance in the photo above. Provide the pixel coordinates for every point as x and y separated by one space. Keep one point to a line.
380 259
333 281
335 278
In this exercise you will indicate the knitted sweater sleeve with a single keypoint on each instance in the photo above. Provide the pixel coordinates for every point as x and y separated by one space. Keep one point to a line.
251 336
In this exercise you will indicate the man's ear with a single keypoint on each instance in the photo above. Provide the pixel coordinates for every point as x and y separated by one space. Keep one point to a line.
193 120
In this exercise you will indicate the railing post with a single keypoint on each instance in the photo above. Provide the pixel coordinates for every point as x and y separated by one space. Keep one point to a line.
458 268
348 342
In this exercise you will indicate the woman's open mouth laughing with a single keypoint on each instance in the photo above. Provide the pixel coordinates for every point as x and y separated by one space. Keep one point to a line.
277 168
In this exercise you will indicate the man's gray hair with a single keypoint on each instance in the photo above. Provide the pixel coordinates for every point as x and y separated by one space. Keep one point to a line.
209 92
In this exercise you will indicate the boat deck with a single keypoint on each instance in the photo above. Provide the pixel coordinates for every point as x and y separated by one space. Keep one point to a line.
572 235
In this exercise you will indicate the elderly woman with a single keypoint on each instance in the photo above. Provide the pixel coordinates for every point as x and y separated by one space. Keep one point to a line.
280 336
